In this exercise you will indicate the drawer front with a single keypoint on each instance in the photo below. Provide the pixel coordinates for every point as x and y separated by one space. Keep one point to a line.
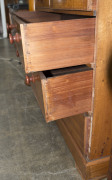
42 3
64 95
24 17
16 31
59 44
86 5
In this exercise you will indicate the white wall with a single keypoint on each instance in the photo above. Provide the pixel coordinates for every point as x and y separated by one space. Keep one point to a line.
3 17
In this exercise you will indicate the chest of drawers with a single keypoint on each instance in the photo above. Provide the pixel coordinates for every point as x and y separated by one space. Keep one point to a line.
68 64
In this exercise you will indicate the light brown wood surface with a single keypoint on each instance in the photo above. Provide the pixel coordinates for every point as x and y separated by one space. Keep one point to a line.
76 125
37 89
87 127
110 167
102 114
79 159
70 4
64 93
94 4
86 5
93 170
67 95
22 17
58 44
34 17
31 5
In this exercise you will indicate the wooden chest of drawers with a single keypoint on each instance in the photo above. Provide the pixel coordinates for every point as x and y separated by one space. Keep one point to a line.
67 60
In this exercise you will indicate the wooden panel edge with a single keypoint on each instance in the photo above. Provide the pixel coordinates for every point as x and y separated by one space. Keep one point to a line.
101 125
96 169
87 133
44 86
24 45
79 159
83 13
89 5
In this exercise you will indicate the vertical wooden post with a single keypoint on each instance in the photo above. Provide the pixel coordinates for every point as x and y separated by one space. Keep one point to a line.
31 5
102 107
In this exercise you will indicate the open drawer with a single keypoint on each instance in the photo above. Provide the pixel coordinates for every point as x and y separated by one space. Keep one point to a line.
25 17
63 92
58 43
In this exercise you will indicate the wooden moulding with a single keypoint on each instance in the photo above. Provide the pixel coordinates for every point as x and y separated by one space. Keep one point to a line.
96 169
110 167
66 94
85 5
59 44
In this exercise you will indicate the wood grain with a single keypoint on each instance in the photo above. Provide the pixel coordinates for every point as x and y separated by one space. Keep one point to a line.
102 114
94 4
67 4
67 95
42 3
87 127
97 169
110 167
91 4
79 159
58 44
89 170
76 125
31 5
37 89
86 5
64 95
34 17
22 17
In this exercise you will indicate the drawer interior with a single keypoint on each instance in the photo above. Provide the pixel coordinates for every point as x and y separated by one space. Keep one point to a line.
65 71
34 17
